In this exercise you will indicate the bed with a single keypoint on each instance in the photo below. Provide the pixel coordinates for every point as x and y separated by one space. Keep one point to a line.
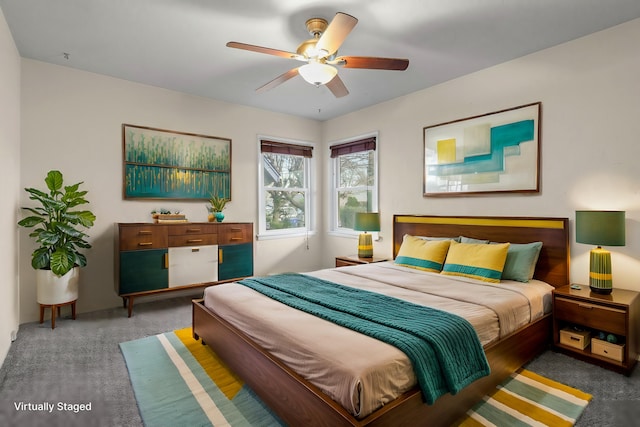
299 401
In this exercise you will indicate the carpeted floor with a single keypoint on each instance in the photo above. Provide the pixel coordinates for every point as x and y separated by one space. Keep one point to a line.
80 362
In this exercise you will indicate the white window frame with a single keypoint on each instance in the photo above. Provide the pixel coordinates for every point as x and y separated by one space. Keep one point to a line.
343 231
309 163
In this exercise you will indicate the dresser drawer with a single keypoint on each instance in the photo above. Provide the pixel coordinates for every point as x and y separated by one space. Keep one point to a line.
235 233
599 317
193 240
191 229
142 237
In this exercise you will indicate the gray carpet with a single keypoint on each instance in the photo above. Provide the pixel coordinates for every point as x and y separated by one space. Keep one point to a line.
80 362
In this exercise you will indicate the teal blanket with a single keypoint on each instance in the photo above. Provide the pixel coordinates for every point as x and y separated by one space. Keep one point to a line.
444 348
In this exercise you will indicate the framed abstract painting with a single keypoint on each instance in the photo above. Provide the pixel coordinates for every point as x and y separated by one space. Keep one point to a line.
164 164
497 152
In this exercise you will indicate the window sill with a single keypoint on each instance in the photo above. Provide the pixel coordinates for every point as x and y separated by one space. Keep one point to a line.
284 235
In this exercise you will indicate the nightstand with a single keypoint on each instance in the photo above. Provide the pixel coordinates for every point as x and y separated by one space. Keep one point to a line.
342 261
580 316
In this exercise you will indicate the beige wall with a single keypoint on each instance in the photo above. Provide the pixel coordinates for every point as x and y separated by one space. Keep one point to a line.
72 122
9 202
588 88
590 96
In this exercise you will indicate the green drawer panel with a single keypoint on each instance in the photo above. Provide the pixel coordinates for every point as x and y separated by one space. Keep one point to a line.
142 271
237 261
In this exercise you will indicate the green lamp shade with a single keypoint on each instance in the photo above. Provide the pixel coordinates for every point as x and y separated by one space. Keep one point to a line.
366 221
602 228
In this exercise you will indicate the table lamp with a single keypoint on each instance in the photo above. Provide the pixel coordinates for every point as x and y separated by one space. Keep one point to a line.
602 228
366 221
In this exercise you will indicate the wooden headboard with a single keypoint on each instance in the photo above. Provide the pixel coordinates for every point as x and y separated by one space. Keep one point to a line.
553 263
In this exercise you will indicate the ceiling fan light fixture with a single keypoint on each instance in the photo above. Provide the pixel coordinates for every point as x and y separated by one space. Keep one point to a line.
317 74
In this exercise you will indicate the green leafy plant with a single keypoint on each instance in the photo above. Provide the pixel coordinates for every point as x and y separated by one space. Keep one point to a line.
217 203
57 227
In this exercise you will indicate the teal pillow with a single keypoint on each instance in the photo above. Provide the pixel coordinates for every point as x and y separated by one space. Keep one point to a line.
521 261
455 239
464 239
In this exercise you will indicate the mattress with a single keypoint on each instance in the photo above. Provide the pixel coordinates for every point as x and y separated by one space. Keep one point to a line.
357 371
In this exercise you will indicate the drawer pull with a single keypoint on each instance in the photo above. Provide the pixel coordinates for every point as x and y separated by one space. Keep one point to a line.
235 238
193 230
236 229
590 307
145 244
574 339
144 232
194 240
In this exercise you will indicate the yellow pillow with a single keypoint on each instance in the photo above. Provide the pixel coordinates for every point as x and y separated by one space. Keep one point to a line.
475 260
427 255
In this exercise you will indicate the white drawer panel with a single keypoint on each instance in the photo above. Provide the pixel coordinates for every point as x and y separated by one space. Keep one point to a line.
189 265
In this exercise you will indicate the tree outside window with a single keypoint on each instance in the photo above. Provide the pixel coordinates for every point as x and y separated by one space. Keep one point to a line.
285 187
355 180
284 191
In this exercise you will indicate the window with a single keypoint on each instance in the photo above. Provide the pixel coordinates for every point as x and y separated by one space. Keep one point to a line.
284 188
355 181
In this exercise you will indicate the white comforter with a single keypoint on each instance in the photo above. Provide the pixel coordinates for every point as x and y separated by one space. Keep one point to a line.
360 372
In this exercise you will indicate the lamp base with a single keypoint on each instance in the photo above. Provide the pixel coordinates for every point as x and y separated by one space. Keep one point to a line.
365 245
601 291
600 278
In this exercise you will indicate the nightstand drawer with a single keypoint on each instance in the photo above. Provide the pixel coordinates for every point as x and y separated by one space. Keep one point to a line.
607 349
591 315
573 338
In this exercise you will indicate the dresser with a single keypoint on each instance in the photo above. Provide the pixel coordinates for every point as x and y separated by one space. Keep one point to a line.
153 258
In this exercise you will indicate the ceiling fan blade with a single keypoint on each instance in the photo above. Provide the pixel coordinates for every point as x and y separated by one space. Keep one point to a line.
371 62
335 34
278 80
337 87
267 50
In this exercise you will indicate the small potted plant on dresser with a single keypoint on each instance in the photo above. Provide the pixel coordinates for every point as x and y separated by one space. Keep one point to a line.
57 229
216 206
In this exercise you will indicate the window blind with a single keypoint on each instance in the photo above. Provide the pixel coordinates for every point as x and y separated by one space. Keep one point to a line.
284 148
353 147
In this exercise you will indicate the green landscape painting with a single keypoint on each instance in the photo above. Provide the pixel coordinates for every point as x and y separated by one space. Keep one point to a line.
161 164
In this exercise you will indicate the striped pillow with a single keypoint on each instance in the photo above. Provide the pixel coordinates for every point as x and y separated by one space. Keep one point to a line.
478 261
427 255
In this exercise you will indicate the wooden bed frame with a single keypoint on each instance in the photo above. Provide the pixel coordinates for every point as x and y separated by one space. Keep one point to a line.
300 403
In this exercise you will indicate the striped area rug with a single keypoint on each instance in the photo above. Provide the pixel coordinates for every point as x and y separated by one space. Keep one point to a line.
179 382
528 399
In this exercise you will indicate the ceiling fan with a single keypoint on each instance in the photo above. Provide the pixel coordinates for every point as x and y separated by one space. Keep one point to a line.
320 55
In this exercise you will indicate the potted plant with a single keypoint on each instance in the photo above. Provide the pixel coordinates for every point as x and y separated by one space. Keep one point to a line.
216 206
57 229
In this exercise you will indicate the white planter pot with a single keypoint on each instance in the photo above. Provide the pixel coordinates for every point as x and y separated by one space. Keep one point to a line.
52 289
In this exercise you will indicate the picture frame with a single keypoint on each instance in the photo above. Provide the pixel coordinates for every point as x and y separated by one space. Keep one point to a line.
167 164
497 152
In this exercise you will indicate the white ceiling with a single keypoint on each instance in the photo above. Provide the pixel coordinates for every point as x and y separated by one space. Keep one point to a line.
180 44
